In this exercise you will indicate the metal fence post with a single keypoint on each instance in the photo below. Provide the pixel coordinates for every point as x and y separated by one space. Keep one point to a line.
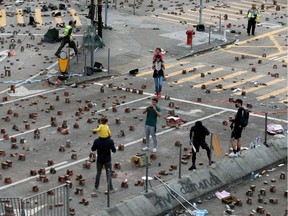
108 60
108 188
220 24
211 142
23 207
266 122
146 181
180 156
67 200
209 34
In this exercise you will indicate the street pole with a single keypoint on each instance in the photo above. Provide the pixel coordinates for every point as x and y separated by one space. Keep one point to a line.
134 8
99 7
106 13
200 12
92 35
224 39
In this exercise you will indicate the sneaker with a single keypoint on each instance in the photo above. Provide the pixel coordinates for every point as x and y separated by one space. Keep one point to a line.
157 96
232 155
160 94
154 150
113 190
193 167
145 149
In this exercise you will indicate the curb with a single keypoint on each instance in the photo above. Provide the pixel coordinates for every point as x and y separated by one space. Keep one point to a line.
158 201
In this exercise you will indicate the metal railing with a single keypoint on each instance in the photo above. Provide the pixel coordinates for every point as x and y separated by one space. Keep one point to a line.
53 202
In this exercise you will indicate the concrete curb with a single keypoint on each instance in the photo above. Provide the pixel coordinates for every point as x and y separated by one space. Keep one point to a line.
200 182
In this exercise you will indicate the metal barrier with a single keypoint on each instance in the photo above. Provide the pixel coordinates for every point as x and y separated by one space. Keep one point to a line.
53 202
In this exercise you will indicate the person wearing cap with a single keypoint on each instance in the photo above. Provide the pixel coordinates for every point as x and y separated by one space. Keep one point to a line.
236 129
253 15
67 39
198 133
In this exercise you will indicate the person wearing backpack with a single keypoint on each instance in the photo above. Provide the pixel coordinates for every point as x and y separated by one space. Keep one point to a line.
237 124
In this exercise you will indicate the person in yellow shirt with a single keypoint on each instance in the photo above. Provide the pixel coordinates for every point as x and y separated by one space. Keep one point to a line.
103 129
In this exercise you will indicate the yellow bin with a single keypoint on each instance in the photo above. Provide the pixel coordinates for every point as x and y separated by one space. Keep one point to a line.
63 62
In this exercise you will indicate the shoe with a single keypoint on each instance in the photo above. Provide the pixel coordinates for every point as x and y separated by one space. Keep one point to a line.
145 149
160 94
97 190
113 190
157 96
193 167
232 155
253 34
154 150
248 34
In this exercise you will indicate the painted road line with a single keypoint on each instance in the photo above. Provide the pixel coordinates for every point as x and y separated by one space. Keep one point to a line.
212 13
172 20
261 86
241 82
2 17
274 93
196 15
267 4
75 16
20 19
58 19
175 73
257 37
234 74
246 7
181 18
225 109
38 17
56 166
198 75
275 54
222 11
170 65
241 53
30 96
276 44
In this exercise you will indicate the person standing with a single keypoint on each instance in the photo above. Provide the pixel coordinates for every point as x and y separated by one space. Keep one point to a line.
253 15
67 39
237 127
153 111
198 133
104 146
158 75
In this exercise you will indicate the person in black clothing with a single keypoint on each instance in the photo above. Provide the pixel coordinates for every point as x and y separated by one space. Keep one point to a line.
103 146
198 139
236 129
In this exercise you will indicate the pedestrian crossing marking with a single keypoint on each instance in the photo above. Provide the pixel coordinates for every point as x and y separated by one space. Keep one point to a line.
272 38
275 54
187 69
58 19
241 53
222 79
198 75
273 93
38 18
183 18
149 71
246 7
209 12
75 16
240 83
2 17
20 19
259 4
260 87
191 14
172 20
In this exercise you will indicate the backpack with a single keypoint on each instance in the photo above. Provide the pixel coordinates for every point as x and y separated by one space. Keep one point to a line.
245 118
